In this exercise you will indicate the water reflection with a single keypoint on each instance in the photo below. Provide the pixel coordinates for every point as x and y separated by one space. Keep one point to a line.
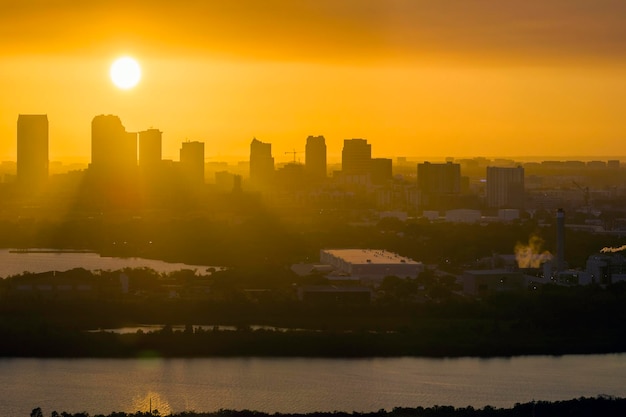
300 385
146 328
14 263
150 402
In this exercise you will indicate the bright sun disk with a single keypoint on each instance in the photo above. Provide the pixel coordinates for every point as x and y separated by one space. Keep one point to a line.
125 72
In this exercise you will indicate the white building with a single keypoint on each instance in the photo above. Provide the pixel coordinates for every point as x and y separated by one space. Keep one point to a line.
607 268
371 264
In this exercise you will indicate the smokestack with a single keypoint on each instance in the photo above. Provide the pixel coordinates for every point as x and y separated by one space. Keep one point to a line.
560 240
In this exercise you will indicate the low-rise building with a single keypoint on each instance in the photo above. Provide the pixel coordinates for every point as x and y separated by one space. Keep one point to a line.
371 264
484 282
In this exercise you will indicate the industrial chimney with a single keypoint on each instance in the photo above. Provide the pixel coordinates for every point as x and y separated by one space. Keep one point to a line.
560 240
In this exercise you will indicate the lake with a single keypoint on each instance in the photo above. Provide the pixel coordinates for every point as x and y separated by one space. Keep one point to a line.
300 385
39 260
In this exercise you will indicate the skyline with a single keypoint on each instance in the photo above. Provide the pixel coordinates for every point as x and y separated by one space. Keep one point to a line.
417 79
298 157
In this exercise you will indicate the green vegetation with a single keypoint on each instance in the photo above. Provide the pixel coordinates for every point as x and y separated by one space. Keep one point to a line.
249 235
424 316
550 320
581 407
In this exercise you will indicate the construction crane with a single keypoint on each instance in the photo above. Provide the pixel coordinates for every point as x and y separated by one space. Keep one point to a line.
294 152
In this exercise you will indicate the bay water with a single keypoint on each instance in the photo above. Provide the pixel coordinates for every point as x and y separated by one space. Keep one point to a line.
300 385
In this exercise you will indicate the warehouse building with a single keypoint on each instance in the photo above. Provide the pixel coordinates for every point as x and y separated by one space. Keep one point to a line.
370 264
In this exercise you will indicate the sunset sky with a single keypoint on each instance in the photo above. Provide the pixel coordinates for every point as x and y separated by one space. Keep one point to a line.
415 78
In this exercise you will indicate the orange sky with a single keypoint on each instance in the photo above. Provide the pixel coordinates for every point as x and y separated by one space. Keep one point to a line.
416 78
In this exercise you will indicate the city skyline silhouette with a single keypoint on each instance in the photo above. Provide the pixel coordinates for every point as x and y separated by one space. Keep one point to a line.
397 203
512 79
284 157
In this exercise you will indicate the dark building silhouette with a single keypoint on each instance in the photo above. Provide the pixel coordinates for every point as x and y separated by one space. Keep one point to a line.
315 157
32 151
225 181
381 171
112 180
192 162
439 178
290 177
113 150
261 164
149 148
356 157
439 184
505 187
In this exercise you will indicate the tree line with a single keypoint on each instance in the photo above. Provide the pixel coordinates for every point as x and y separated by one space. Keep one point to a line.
605 406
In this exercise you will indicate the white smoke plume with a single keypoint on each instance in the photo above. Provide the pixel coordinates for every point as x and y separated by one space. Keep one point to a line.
531 255
613 250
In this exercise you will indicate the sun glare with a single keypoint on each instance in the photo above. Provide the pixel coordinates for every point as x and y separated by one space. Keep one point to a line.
125 72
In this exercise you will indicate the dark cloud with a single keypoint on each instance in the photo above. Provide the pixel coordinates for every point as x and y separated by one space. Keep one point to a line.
517 31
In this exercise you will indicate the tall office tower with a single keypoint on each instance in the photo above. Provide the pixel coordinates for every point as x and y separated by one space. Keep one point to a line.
113 150
192 162
356 157
439 178
315 157
32 150
439 185
149 148
505 187
381 170
261 163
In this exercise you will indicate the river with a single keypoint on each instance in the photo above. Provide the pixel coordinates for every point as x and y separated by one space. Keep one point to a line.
300 385
40 260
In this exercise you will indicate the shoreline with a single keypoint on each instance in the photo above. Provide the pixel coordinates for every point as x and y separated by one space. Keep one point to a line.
51 251
601 405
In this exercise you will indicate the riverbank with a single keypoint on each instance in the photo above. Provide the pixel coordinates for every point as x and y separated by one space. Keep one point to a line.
47 342
46 323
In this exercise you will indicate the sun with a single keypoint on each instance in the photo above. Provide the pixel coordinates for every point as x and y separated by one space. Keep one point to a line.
125 72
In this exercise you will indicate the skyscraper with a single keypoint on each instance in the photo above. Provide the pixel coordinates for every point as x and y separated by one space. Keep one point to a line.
439 185
315 156
261 163
149 148
113 150
192 162
32 150
505 187
356 157
439 179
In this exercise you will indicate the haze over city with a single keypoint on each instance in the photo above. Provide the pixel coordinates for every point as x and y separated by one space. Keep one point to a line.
235 208
416 78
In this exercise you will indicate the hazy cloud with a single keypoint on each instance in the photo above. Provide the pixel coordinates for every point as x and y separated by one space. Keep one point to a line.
519 31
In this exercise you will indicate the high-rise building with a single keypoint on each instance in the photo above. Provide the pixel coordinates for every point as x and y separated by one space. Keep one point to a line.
315 156
439 178
192 162
381 171
261 163
149 148
505 187
32 150
113 150
439 185
356 157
